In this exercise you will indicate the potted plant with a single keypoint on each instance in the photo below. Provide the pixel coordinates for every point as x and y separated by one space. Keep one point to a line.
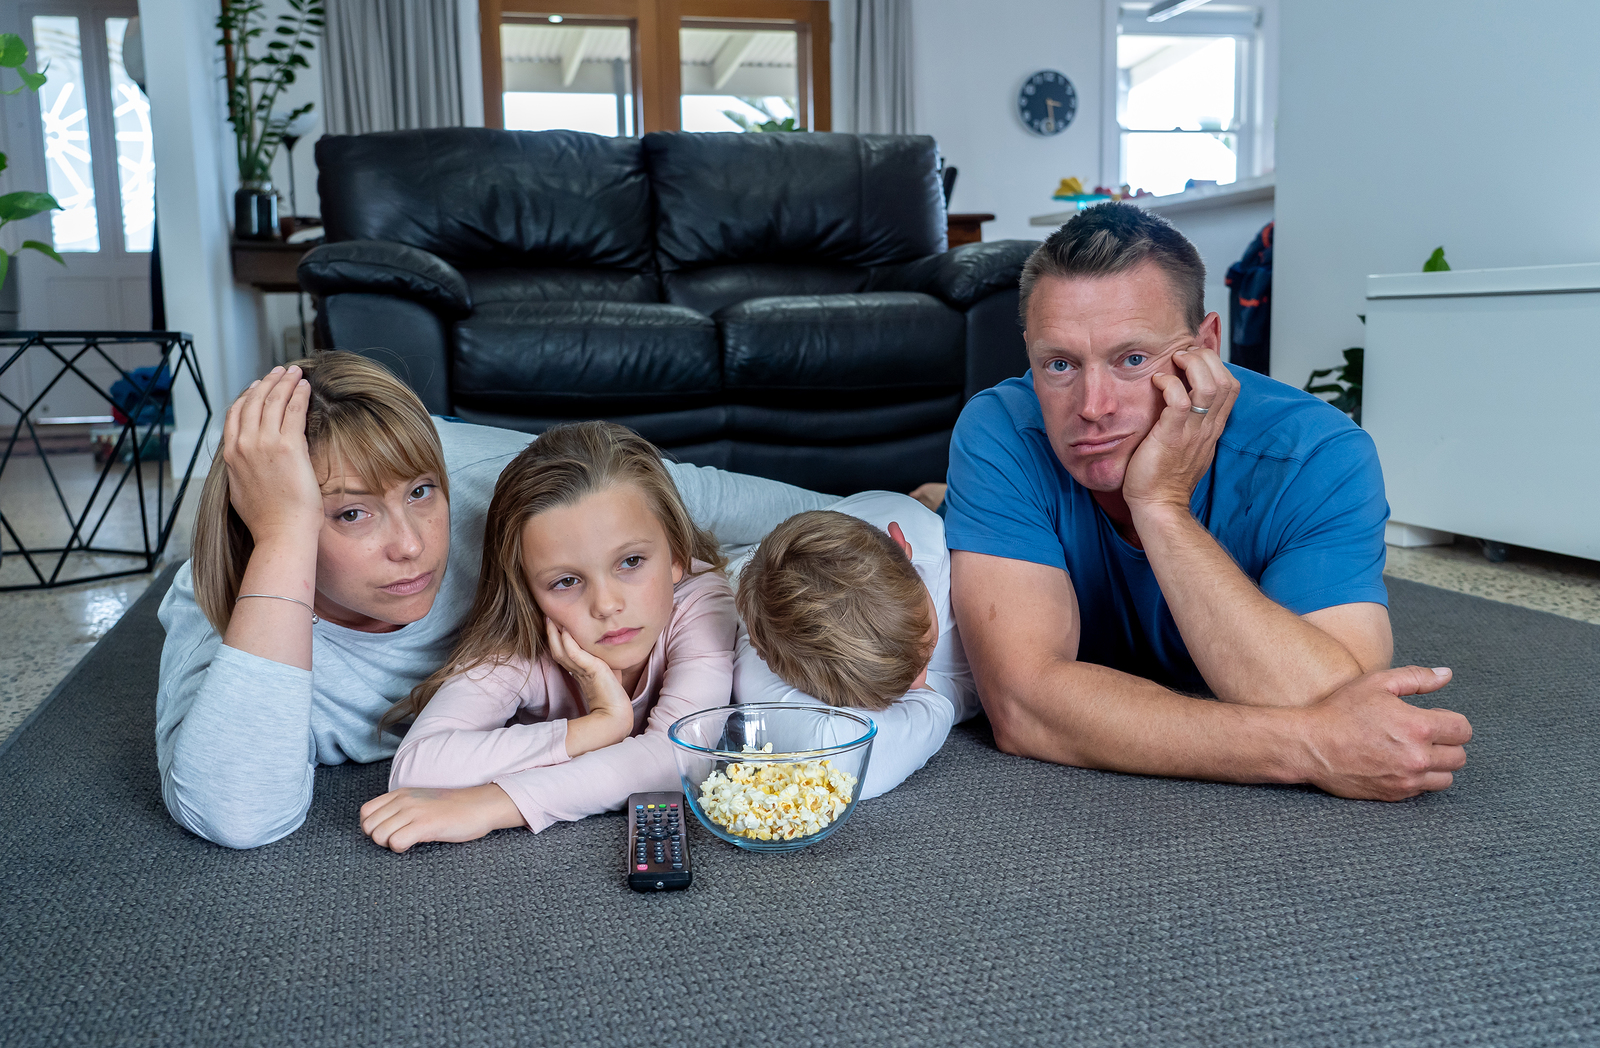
256 72
24 203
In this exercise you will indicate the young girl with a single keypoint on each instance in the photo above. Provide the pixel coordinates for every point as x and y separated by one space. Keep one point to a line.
602 616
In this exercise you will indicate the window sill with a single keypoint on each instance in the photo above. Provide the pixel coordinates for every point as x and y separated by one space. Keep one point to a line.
1205 198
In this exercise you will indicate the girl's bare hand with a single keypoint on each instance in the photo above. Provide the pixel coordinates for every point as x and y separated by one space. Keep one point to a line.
601 687
404 817
271 482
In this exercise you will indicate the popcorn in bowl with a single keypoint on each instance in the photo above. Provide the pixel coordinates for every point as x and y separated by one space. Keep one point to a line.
776 801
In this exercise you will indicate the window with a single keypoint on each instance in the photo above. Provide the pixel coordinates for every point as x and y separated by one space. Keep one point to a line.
570 73
624 67
64 110
739 76
1186 98
99 155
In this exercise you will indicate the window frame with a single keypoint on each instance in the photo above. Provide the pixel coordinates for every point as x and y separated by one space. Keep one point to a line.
657 80
1246 27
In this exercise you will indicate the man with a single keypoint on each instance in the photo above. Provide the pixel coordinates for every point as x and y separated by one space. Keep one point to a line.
1135 521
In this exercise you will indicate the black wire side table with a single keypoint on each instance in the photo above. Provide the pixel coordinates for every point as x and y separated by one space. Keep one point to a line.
88 526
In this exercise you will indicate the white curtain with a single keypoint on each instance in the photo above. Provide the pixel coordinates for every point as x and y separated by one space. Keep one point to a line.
872 70
391 65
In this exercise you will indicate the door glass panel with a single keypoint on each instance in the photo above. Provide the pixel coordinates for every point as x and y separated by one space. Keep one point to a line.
136 158
563 73
69 167
740 79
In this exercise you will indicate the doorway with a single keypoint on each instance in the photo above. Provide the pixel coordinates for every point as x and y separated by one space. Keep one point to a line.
84 137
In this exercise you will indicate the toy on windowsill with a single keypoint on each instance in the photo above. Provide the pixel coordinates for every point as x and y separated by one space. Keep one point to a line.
1072 189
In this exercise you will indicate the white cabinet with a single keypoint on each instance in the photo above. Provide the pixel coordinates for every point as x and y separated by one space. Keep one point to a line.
1482 392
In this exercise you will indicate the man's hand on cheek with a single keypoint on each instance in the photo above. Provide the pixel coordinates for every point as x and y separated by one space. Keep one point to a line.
1178 450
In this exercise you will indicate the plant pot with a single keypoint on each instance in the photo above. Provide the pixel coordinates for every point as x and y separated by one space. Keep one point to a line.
10 300
255 212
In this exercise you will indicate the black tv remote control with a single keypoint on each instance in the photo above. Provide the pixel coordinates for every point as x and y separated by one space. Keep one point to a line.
658 848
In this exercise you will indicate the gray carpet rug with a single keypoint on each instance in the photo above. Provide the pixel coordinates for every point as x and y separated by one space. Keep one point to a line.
990 900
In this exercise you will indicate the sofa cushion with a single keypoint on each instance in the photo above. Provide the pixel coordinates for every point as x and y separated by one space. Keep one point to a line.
848 200
562 285
479 197
870 347
714 287
584 359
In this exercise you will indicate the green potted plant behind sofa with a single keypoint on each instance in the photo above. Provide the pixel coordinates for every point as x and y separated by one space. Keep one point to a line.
256 73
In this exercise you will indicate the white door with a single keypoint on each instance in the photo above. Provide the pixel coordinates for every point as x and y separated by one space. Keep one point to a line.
84 138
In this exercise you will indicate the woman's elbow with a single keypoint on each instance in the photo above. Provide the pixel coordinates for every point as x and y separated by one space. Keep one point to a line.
238 822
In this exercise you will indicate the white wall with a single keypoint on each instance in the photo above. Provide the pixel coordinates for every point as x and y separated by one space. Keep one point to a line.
971 59
1464 123
196 174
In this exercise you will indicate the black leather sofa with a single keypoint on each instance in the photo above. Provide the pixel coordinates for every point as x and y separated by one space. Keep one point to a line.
781 305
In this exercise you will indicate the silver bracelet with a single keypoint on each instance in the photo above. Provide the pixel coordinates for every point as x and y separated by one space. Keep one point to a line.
274 596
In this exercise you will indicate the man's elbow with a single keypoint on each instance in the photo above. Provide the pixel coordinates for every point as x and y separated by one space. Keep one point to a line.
1020 732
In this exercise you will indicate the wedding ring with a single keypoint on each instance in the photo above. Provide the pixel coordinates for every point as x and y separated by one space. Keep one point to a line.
1197 409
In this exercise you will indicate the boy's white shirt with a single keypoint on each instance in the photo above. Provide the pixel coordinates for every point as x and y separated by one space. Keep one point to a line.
914 728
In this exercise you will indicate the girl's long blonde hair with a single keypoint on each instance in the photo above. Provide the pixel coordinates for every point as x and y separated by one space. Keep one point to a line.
568 463
361 419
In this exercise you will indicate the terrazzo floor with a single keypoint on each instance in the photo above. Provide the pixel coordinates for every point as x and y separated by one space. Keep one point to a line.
43 634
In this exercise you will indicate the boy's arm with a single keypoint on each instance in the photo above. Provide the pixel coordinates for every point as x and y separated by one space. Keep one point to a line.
910 731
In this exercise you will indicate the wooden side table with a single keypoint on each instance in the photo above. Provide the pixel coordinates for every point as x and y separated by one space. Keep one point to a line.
268 265
966 228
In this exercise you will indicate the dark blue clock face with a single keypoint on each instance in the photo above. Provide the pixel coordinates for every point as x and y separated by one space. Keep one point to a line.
1047 103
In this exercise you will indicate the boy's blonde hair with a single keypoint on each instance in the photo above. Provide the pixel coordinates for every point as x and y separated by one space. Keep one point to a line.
360 419
835 608
566 464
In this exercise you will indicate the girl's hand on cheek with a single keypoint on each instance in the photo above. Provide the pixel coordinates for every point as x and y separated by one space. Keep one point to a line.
401 818
610 716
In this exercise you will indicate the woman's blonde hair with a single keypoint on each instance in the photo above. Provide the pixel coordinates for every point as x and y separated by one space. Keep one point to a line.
361 420
565 465
835 608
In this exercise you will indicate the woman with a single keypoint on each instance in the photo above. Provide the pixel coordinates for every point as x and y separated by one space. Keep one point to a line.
336 553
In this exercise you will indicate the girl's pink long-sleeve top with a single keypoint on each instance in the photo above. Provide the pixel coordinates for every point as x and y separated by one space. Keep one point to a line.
508 724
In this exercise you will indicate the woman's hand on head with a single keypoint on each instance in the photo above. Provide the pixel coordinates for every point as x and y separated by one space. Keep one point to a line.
271 482
401 818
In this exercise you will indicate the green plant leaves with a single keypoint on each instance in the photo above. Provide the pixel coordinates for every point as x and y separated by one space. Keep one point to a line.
25 204
44 249
13 52
1346 386
1436 262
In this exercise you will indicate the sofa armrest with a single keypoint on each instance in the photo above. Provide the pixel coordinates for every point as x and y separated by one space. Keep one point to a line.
962 276
381 267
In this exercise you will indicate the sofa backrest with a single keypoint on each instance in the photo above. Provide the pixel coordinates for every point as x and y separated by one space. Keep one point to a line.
813 199
481 198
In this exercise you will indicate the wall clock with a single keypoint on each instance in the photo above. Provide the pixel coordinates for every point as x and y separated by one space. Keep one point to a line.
1047 102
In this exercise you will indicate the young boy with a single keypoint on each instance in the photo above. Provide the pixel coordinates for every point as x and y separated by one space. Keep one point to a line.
850 607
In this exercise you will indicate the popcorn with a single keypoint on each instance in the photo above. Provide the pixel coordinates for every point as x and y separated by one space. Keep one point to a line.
776 801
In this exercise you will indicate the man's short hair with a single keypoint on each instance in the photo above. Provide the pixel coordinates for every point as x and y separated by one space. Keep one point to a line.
835 608
1113 238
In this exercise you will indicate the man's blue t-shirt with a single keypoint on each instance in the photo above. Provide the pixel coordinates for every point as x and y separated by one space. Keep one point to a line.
1295 495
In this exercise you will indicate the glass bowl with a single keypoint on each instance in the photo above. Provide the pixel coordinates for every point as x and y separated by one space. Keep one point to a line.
788 793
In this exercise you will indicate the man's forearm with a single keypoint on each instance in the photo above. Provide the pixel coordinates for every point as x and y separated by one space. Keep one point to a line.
1092 716
1249 648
